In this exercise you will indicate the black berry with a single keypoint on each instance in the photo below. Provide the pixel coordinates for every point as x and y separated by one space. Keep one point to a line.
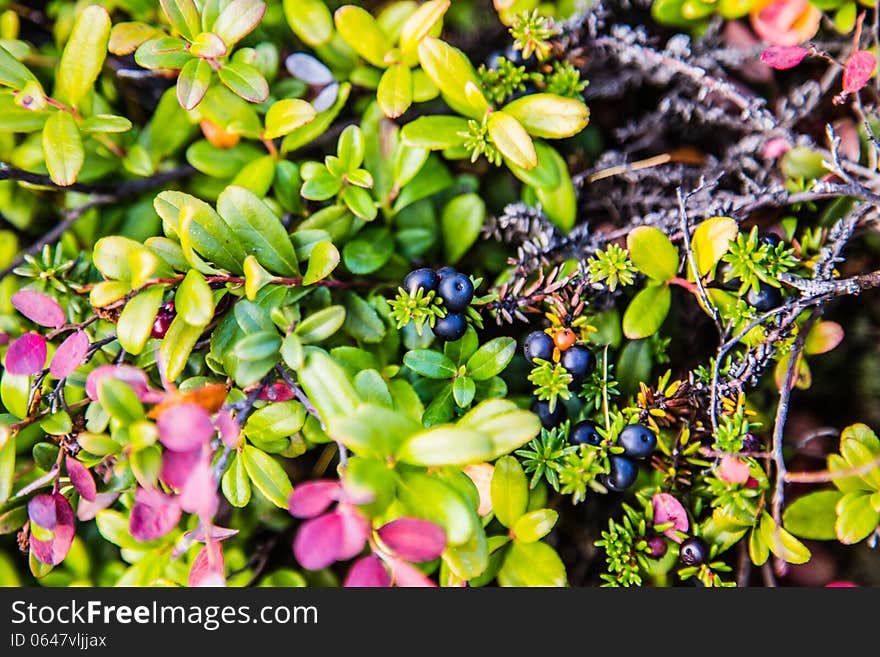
637 440
420 278
538 345
724 268
456 291
549 419
584 433
622 474
451 327
769 238
579 362
657 547
693 551
163 320
751 443
446 271
766 298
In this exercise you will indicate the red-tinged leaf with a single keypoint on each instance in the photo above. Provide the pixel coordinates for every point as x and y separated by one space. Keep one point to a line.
318 541
355 531
4 339
313 497
39 308
185 427
230 430
408 576
153 515
52 552
209 567
86 510
669 509
199 535
69 355
42 512
199 494
823 337
368 572
277 392
776 148
858 70
783 57
733 470
26 355
133 376
81 478
481 475
178 466
414 539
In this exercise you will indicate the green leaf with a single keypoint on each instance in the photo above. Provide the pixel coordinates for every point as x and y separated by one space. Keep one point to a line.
120 401
238 19
856 518
267 475
435 132
207 45
373 431
463 391
275 421
451 70
7 472
136 320
285 116
245 80
322 261
177 345
508 426
11 521
433 177
362 321
394 94
62 148
310 20
535 525
368 252
863 434
781 543
509 490
512 140
183 16
359 201
162 53
645 313
532 564
558 201
12 72
258 346
652 253
461 221
549 116
813 516
711 240
361 31
258 230
428 497
193 82
320 325
235 483
313 129
105 123
759 552
84 54
429 363
327 386
194 300
424 21
857 455
491 359
463 348
847 484
321 186
371 387
445 445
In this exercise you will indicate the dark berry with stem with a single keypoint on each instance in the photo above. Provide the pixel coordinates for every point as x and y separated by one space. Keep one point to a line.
549 419
163 320
423 278
622 473
637 440
693 551
538 345
451 327
578 361
456 291
585 433
765 299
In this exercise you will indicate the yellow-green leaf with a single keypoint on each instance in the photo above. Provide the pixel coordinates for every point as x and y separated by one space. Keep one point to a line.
652 253
193 82
782 543
194 300
267 475
856 518
62 148
12 72
177 345
446 445
183 16
711 240
512 140
451 70
549 116
645 314
238 19
395 91
310 20
136 320
532 564
535 525
287 115
126 37
424 21
509 491
322 261
83 55
361 31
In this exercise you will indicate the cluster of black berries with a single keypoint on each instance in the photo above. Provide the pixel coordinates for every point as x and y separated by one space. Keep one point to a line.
455 290
637 440
693 551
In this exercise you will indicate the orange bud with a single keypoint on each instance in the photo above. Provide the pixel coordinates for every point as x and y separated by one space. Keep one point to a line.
218 136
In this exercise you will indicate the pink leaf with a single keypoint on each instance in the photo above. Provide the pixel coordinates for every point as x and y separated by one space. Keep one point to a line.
277 392
199 494
367 572
52 552
178 466
733 470
26 355
39 308
86 510
313 497
859 69
414 539
230 431
208 568
133 376
4 339
669 509
776 148
153 515
355 531
69 355
184 427
783 57
406 575
318 540
81 478
199 535
785 22
42 511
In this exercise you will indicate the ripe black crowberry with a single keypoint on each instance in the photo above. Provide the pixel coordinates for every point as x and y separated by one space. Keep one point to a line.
549 419
163 320
538 345
451 327
772 239
584 433
766 298
622 474
579 362
447 271
456 291
637 440
693 551
420 278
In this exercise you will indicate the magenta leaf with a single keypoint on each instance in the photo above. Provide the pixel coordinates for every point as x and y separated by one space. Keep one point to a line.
39 308
277 392
81 478
318 541
367 572
153 515
733 470
52 552
178 466
407 575
4 339
26 355
133 376
414 539
776 148
199 494
783 57
184 427
230 431
69 355
42 511
858 70
86 510
355 532
199 535
208 568
669 509
313 497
